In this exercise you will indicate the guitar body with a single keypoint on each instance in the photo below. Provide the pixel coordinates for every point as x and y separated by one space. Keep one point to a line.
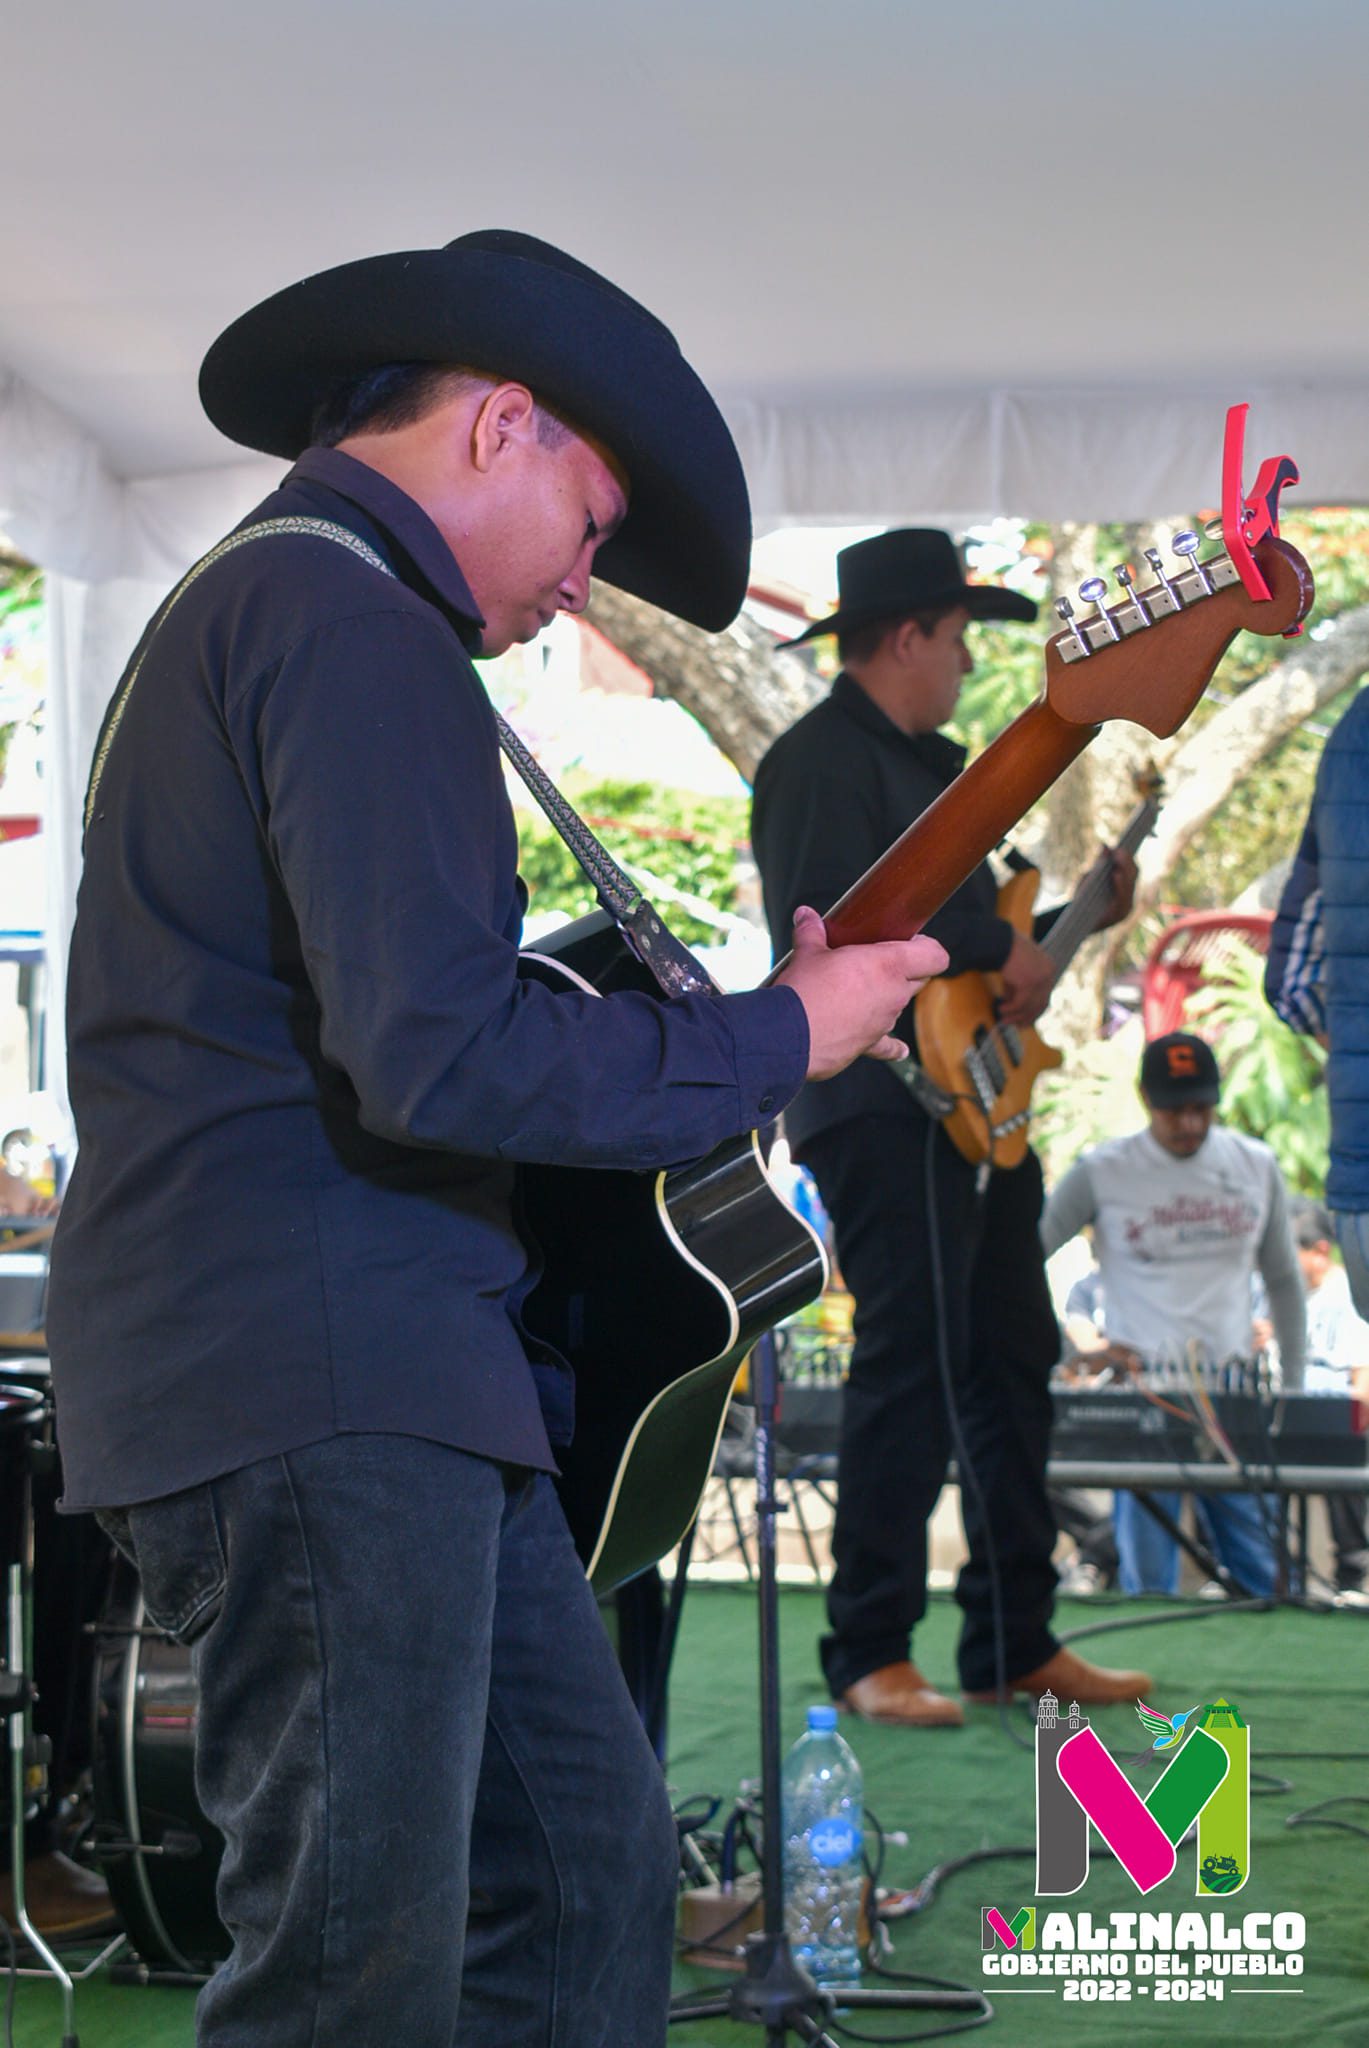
655 1286
969 1054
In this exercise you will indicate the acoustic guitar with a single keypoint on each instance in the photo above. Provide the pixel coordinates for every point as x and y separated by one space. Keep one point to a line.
655 1285
988 1068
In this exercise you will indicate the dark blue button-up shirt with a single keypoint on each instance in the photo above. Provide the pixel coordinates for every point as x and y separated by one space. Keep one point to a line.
303 1065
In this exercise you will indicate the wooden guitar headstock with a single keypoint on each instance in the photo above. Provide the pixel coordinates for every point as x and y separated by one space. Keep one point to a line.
1150 658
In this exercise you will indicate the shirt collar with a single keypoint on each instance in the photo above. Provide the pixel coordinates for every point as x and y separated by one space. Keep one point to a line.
427 562
945 757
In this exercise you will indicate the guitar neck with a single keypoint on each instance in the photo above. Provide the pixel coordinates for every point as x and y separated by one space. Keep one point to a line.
1110 671
942 847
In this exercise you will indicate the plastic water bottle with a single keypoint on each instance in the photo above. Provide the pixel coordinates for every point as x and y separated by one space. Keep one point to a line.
823 1872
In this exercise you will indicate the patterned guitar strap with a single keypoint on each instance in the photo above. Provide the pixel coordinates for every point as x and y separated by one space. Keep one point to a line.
673 966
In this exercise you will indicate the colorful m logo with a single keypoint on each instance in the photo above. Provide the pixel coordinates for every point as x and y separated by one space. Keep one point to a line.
1019 1932
1078 1783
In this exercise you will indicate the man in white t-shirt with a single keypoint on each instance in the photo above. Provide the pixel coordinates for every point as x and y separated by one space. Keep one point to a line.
1183 1214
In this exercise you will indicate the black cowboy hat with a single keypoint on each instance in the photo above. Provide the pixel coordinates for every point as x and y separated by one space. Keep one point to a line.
912 569
517 307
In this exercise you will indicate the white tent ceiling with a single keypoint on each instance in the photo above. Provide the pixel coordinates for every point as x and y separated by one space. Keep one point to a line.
936 259
966 258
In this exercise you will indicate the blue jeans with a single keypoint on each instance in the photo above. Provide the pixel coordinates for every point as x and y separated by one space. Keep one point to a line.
417 1743
1238 1526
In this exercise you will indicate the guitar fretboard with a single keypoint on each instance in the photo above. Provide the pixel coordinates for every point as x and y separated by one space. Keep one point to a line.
1079 919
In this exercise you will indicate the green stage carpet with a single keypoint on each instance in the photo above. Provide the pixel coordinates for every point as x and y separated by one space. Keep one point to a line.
1299 1681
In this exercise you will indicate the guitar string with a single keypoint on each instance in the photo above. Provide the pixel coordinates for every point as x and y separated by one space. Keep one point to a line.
1088 897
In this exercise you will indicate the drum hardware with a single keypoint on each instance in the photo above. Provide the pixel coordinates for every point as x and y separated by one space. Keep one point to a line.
115 1632
26 1415
129 1970
158 1854
16 1692
176 1842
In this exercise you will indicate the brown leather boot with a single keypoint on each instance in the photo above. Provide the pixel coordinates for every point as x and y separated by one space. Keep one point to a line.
898 1696
1071 1678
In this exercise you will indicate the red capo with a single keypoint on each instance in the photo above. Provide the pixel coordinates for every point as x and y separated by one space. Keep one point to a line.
1246 521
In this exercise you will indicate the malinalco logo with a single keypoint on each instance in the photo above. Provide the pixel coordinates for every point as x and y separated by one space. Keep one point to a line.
1156 1953
1078 1786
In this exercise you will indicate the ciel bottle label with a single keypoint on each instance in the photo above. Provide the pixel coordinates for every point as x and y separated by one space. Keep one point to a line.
834 1841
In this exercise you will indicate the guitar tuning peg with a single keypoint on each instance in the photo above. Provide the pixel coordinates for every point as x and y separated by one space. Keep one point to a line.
1157 567
1065 612
1093 590
1143 611
1187 545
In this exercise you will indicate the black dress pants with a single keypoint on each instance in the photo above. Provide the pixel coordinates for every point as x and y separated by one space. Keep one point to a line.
1000 1338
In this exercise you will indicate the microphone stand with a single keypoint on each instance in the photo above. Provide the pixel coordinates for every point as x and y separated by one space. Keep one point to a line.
774 1991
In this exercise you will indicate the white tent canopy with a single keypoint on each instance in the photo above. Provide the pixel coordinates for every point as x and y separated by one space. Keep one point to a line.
971 259
936 261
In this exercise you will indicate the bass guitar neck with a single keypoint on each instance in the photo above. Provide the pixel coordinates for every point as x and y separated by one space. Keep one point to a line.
987 1068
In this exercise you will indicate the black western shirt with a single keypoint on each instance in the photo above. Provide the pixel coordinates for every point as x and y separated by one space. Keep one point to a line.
303 1065
831 795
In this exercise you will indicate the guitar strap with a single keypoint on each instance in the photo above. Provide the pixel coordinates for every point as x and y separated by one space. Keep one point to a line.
929 1095
671 964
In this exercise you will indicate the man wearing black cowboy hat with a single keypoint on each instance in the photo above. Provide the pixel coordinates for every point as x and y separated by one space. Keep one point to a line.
286 1289
952 1319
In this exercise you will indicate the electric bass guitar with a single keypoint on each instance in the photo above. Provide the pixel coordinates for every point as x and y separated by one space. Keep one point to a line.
655 1285
988 1068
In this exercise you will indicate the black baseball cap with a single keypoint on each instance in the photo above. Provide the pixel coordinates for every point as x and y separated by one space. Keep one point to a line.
1178 1069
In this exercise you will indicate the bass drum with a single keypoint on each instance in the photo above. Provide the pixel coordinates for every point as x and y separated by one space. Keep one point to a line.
160 1856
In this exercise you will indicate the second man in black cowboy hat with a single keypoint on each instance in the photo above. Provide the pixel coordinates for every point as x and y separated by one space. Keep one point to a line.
952 1310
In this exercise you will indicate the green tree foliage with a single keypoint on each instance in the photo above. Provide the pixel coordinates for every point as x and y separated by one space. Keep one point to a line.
1273 1078
689 842
1090 1100
1255 827
1009 671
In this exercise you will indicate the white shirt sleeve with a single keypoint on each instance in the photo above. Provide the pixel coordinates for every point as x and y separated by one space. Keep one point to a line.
1070 1205
1277 1260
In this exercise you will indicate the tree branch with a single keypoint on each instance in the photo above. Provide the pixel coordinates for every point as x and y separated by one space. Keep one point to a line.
742 690
1202 773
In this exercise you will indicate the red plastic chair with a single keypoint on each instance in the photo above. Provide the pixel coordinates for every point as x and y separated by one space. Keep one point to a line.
1185 952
